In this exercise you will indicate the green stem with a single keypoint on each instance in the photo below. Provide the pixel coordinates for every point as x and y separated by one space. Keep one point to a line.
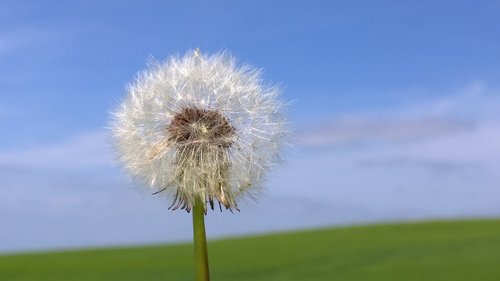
200 242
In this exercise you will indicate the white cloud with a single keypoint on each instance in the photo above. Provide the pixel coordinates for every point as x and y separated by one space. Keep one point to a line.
367 129
84 151
11 42
19 38
458 134
481 145
462 113
475 100
3 112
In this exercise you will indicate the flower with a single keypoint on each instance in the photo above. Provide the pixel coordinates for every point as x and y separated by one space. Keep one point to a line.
200 128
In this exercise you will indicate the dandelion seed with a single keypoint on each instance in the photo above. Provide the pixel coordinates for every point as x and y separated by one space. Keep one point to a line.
201 129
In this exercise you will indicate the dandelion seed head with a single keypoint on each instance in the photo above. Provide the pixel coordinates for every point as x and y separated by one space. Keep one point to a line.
201 129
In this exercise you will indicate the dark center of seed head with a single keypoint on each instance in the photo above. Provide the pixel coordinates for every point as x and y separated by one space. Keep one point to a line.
195 125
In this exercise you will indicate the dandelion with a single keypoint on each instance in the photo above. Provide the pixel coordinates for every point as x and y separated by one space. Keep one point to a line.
200 129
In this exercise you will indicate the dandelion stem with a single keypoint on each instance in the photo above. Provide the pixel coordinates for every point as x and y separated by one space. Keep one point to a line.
200 242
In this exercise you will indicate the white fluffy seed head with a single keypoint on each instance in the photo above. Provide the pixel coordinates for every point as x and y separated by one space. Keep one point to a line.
200 128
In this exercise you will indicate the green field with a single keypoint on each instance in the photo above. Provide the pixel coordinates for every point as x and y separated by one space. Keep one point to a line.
455 250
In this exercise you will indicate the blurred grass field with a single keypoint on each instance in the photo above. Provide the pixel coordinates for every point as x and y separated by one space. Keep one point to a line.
442 250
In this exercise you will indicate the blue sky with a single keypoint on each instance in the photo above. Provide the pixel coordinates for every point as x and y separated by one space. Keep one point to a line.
395 110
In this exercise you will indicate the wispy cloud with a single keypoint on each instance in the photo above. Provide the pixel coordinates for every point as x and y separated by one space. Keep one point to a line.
456 135
355 130
3 112
458 113
12 41
476 101
436 167
88 150
19 38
